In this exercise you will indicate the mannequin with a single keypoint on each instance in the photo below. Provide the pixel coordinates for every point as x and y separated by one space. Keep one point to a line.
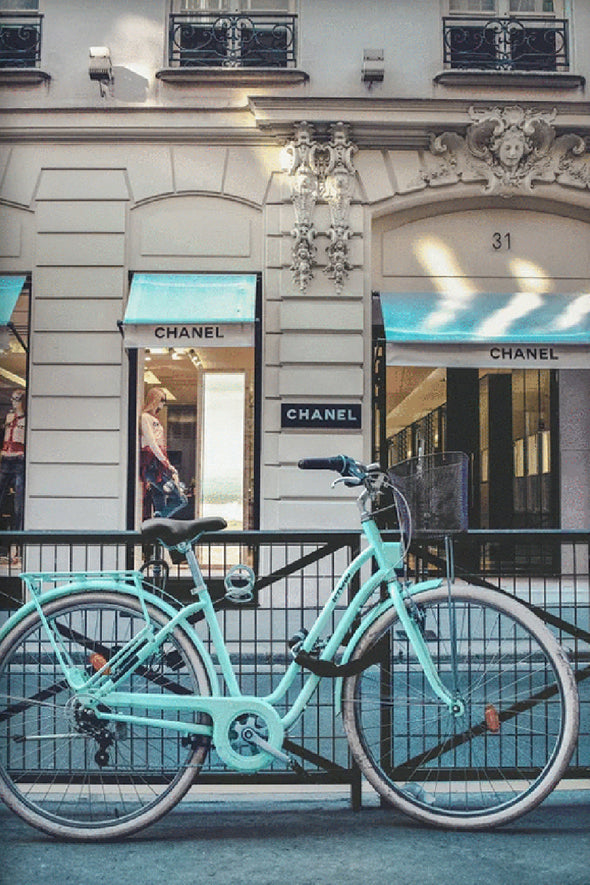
12 457
161 484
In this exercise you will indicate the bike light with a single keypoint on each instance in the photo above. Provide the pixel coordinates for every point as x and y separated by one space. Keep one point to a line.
98 661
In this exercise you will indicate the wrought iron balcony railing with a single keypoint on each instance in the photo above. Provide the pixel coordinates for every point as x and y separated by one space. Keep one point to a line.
20 40
232 41
506 44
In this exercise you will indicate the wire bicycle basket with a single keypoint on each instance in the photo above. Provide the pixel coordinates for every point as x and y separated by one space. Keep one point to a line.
435 489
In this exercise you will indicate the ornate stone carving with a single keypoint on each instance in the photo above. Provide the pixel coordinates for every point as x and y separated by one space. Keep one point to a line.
337 188
320 171
510 148
302 167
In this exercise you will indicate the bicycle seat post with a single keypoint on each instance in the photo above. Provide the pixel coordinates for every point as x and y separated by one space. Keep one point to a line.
193 564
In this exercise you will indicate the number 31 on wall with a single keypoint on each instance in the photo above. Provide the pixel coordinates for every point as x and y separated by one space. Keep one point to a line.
500 241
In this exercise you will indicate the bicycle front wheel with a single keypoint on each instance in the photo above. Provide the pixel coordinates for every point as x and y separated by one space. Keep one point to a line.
510 746
64 770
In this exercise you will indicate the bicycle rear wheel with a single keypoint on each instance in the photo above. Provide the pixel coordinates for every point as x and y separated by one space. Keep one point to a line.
64 770
511 746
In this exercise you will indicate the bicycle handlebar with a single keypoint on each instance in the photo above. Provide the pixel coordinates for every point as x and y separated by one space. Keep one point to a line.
353 471
338 463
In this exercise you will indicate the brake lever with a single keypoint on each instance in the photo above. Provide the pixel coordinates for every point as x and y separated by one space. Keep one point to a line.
349 481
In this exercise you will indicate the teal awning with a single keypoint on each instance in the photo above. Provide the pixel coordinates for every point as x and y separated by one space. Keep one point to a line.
10 289
524 317
487 329
191 298
190 309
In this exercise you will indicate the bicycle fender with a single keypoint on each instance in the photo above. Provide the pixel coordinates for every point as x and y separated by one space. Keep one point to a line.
113 587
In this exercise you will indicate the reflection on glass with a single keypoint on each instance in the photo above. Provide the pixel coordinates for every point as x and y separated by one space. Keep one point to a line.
222 487
13 401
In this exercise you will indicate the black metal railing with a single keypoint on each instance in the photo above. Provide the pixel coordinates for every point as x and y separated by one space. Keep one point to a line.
506 44
20 39
253 40
296 571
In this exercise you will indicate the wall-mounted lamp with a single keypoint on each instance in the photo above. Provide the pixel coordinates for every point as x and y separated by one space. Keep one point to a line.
100 66
373 70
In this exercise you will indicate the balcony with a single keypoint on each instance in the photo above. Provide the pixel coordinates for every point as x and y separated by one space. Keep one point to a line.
521 50
241 49
20 47
506 44
20 40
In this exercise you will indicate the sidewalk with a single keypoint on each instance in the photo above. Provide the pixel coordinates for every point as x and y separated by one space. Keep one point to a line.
309 837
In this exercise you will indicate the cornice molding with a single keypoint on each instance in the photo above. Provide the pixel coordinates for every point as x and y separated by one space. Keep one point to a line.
404 124
180 125
233 135
374 123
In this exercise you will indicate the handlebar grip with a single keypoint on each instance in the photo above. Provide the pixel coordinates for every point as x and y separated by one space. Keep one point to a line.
338 463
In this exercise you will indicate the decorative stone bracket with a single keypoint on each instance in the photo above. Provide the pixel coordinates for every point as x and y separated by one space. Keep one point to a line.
320 171
510 149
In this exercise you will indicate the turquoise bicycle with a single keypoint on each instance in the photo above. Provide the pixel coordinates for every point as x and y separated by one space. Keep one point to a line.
110 701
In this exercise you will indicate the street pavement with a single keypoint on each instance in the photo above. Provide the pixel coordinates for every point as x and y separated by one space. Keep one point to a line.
309 837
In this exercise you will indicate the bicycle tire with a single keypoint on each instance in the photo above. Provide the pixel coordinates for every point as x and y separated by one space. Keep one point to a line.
63 770
509 749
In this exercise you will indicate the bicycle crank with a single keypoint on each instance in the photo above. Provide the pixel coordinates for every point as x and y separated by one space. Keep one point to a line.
250 739
252 736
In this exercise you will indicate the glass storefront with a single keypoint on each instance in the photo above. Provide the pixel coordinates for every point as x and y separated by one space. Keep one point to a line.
505 419
479 372
193 339
14 334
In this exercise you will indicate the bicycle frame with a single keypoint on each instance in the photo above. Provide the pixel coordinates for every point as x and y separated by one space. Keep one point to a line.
102 692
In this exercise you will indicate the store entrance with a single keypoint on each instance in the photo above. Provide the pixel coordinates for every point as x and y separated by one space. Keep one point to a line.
505 420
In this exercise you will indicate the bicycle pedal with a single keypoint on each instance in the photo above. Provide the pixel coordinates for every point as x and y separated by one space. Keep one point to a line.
298 769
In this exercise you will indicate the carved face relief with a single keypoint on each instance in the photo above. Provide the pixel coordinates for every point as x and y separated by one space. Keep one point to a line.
511 148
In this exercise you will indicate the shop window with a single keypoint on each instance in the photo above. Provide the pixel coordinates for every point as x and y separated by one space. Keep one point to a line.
505 419
198 409
197 395
223 467
533 429
14 332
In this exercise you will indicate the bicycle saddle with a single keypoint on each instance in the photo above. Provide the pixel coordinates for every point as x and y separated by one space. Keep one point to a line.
174 531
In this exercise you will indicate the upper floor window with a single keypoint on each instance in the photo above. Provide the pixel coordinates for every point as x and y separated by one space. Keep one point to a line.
503 7
515 35
232 33
20 34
